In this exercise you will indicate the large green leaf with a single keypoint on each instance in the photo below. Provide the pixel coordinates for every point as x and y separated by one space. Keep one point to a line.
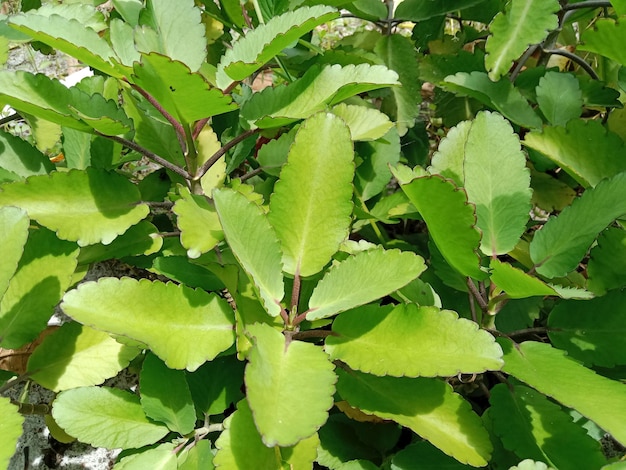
162 457
363 278
524 22
451 221
43 274
21 158
606 38
76 355
592 331
88 206
534 427
501 96
427 406
411 341
551 372
187 96
559 97
562 242
251 51
607 261
165 395
254 243
318 88
14 223
105 417
311 204
286 378
10 429
183 326
585 149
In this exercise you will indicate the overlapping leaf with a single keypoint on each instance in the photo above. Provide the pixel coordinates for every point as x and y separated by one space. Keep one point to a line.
516 283
183 326
432 342
14 223
606 38
199 225
364 123
373 174
162 457
607 261
21 158
99 113
363 278
10 429
254 243
318 88
311 204
562 242
524 22
559 97
551 372
427 406
88 206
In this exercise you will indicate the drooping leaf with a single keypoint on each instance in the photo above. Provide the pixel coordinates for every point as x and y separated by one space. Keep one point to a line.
199 225
182 326
585 149
364 123
253 50
592 331
424 456
187 96
14 223
607 261
439 415
451 221
318 88
534 427
88 206
286 379
433 342
105 417
516 283
562 242
551 372
165 395
21 158
605 39
254 243
501 96
523 23
76 355
363 278
43 274
162 457
373 174
311 204
10 429
559 97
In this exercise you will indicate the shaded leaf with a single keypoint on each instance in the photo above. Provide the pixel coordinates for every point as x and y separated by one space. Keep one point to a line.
559 97
419 10
424 456
549 193
200 228
254 243
439 415
182 326
606 39
105 417
433 342
21 158
363 278
285 379
10 429
373 174
607 261
14 223
198 457
311 204
162 457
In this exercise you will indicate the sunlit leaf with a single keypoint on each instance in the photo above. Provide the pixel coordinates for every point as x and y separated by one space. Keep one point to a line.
605 38
14 223
162 457
516 283
199 225
10 429
364 123
198 457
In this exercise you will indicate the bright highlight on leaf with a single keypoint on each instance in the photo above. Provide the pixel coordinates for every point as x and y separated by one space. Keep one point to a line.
14 223
200 229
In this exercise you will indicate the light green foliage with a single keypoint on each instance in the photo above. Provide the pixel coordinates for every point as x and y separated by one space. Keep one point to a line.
158 458
560 98
607 261
19 158
15 233
198 222
516 283
364 123
10 428
605 39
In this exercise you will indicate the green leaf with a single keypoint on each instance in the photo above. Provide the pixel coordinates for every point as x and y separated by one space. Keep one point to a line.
424 456
105 417
254 243
178 29
76 148
162 457
563 241
318 88
165 395
286 379
516 283
549 193
451 221
182 326
420 10
21 158
534 427
76 355
373 174
559 97
439 415
14 223
551 372
199 225
250 52
88 206
364 123
363 278
43 274
182 270
198 457
596 339
10 430
585 149
607 261
501 96
605 39
187 96
129 10
99 113
433 342
523 23
311 204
